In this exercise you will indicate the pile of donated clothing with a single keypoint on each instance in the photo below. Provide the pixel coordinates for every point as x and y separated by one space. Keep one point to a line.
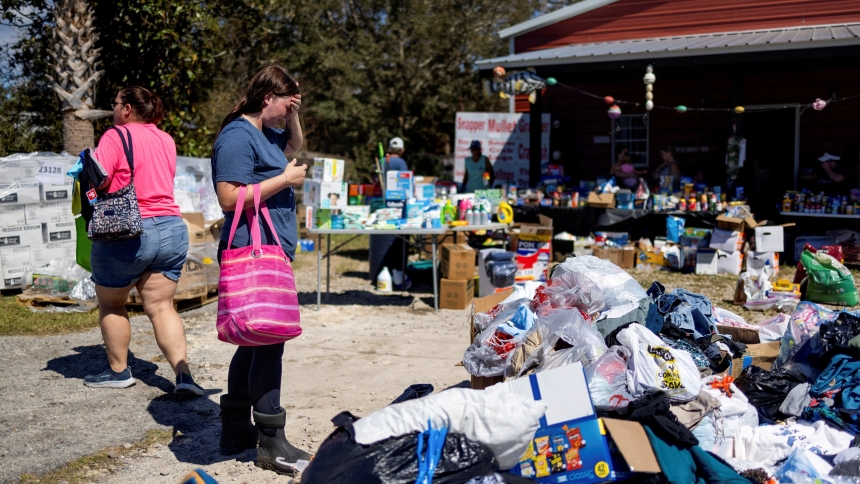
651 356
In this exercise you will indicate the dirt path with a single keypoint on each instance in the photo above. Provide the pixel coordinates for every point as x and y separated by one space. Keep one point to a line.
357 354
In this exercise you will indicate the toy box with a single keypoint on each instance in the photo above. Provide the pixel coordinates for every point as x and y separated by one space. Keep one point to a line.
572 444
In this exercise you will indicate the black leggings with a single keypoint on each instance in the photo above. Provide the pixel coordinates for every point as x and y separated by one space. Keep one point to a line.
255 372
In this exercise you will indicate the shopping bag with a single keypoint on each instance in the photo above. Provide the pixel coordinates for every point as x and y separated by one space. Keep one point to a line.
257 300
829 281
654 366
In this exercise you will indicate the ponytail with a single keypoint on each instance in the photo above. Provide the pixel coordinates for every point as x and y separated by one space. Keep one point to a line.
146 106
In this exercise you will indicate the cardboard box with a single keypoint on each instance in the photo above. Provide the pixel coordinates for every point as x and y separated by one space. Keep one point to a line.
197 232
12 215
18 193
601 200
23 171
23 235
761 355
41 213
727 241
747 336
729 262
482 305
15 263
572 444
769 238
757 260
456 294
42 255
534 251
192 279
328 170
458 262
399 182
59 232
326 194
706 262
52 192
623 257
734 224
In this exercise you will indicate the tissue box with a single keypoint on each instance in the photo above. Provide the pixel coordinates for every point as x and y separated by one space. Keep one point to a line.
326 194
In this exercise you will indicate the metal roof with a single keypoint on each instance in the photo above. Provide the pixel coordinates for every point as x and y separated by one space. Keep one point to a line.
792 38
565 13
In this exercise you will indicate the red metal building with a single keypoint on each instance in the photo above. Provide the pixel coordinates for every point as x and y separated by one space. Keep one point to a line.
774 57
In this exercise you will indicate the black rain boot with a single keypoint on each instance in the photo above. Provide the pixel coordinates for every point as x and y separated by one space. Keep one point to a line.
275 453
237 432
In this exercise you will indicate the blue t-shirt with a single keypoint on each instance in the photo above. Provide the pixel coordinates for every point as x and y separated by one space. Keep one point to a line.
244 154
396 163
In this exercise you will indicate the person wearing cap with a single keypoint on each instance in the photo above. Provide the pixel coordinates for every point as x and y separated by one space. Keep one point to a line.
476 166
395 159
830 166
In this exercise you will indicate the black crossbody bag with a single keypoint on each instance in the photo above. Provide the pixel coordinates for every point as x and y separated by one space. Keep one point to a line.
116 216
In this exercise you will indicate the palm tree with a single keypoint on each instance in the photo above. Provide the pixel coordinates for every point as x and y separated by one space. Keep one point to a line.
75 74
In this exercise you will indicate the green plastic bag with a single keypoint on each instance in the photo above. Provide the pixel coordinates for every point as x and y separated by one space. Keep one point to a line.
828 281
84 244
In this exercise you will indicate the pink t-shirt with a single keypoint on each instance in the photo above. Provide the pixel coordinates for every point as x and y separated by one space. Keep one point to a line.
154 167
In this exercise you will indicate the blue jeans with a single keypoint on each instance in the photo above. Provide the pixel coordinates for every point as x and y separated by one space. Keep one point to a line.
681 308
161 248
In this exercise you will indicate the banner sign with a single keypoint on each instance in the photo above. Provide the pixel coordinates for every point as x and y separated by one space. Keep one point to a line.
504 138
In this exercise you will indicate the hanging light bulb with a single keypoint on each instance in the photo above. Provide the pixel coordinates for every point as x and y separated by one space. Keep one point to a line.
649 105
614 111
551 81
819 104
739 109
649 81
681 108
609 100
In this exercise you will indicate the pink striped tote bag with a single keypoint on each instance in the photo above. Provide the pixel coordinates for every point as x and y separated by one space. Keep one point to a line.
257 300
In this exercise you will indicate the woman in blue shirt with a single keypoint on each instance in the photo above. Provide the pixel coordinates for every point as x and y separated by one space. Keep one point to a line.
249 150
476 166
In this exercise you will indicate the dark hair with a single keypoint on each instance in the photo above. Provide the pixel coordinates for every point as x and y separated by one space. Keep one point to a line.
619 149
668 149
271 79
146 106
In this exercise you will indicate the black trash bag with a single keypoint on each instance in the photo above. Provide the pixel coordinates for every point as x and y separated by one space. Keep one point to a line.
340 459
414 392
766 390
834 337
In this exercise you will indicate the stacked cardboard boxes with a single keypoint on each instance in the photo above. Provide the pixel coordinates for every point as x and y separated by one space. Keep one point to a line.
457 285
36 221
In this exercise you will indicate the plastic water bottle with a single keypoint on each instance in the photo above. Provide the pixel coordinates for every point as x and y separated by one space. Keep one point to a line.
383 281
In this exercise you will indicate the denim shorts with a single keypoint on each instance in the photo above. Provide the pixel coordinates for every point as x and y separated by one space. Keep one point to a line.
161 248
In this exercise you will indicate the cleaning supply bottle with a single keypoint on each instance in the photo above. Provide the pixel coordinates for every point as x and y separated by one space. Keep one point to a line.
506 213
383 281
483 216
449 212
470 217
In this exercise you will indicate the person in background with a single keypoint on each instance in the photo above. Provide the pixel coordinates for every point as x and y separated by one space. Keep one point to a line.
250 150
151 262
625 174
832 175
395 160
668 168
476 166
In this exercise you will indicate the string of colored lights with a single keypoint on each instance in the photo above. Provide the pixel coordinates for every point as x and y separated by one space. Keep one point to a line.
818 104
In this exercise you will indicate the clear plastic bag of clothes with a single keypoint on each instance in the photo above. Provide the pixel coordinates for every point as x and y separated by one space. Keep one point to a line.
617 285
568 290
804 322
654 366
567 338
501 331
607 379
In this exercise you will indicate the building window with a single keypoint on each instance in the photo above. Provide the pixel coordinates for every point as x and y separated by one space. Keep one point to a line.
632 131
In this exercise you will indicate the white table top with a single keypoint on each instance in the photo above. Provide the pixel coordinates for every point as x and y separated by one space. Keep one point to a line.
378 232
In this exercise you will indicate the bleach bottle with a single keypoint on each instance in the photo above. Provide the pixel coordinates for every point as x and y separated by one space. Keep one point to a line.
383 281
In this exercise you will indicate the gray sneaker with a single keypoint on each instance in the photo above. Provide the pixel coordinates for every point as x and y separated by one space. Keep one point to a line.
110 379
185 386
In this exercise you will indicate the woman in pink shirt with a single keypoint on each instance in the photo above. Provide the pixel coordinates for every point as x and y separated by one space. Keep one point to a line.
152 262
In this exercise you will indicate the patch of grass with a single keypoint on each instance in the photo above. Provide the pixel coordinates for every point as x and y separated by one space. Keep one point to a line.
16 319
78 470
